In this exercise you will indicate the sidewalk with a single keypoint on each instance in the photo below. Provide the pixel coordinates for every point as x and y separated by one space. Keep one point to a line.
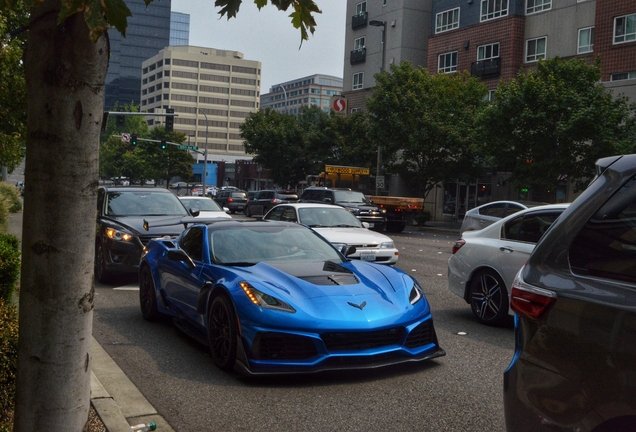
117 401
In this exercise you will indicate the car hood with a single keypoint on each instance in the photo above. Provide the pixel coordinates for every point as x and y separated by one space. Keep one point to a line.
157 225
352 236
203 214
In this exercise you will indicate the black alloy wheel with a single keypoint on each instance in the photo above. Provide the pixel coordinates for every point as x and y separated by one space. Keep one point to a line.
148 295
102 275
222 333
489 298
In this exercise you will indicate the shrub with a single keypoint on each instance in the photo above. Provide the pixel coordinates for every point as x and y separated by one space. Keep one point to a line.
8 362
11 194
9 265
422 217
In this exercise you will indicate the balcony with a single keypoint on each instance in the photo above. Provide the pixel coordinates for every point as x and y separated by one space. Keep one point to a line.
486 68
359 20
358 56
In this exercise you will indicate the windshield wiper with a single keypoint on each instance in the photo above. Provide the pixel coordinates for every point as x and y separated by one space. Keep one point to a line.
238 264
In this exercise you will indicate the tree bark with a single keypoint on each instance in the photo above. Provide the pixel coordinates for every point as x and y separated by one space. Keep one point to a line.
65 75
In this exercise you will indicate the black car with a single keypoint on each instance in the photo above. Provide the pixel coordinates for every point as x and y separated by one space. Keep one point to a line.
574 367
232 199
353 201
264 200
120 236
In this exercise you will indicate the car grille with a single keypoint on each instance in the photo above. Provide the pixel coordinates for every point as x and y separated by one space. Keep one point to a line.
421 335
348 341
334 279
365 246
280 346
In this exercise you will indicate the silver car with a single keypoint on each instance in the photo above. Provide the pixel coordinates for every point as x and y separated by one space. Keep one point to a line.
484 263
487 214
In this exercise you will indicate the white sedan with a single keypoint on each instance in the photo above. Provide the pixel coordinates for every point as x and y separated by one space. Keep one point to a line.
208 208
340 228
484 263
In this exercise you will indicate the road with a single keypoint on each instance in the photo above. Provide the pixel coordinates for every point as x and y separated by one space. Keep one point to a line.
459 392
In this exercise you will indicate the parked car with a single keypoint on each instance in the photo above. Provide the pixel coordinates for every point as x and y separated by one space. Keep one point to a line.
574 365
234 200
275 297
120 236
264 200
353 201
486 214
207 207
340 228
484 263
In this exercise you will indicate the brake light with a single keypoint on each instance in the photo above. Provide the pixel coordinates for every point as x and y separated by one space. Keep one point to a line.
529 301
230 199
458 245
274 201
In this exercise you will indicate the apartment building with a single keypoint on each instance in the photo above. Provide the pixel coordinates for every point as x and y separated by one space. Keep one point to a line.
290 96
211 91
381 33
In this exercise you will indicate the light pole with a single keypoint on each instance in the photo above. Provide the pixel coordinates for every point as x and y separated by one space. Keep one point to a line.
285 93
379 162
205 152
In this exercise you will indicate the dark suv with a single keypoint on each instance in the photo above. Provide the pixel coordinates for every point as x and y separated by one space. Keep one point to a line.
574 367
233 199
264 200
353 201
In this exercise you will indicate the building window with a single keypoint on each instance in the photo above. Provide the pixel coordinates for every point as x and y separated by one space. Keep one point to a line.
625 28
586 40
487 52
623 76
358 43
358 81
447 63
534 6
361 8
447 20
491 9
356 109
535 49
491 94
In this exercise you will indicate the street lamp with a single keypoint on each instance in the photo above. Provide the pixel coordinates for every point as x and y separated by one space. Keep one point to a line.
205 152
382 24
285 93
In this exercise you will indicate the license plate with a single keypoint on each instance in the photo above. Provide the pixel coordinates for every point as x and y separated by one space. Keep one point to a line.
367 256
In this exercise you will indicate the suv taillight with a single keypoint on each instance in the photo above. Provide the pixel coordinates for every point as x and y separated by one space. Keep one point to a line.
458 245
529 301
230 199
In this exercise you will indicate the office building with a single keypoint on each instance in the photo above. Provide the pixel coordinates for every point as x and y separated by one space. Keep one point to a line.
290 96
179 29
211 91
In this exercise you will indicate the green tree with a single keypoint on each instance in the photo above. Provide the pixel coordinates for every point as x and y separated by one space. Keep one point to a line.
551 124
13 102
424 124
65 67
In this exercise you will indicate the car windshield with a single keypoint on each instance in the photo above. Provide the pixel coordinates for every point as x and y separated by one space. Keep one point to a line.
350 197
204 204
318 217
249 246
142 203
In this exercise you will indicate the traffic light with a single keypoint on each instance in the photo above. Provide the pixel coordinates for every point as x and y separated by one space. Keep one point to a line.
121 121
163 144
133 139
169 120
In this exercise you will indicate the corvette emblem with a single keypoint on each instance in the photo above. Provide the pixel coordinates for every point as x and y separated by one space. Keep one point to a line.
360 306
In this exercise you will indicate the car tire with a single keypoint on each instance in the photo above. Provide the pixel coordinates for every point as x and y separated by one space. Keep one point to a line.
222 333
489 298
394 227
101 273
148 295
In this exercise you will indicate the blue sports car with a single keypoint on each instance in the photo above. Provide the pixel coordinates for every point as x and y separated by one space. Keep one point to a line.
275 297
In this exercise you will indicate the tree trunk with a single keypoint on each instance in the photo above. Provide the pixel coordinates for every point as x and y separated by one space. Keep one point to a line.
65 75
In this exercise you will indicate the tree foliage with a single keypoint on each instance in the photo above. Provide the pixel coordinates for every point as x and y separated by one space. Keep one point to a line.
550 125
424 124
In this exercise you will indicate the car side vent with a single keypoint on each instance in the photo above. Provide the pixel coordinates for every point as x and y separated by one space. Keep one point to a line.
345 279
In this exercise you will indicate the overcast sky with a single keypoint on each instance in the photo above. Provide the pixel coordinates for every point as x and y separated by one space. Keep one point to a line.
269 37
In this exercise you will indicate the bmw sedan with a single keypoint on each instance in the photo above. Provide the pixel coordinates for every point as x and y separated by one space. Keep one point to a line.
484 263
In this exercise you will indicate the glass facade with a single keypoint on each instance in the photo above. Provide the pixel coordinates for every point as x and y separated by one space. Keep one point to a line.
147 33
179 29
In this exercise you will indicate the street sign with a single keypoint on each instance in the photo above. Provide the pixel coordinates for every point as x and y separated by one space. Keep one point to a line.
125 137
346 170
379 182
187 147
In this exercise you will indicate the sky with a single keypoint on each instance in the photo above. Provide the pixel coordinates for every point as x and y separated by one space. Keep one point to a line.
269 37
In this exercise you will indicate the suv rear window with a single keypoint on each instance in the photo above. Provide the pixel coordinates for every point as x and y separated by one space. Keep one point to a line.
287 196
239 195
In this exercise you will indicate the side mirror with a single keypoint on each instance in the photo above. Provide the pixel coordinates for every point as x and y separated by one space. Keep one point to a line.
365 224
194 212
226 210
180 255
327 200
348 250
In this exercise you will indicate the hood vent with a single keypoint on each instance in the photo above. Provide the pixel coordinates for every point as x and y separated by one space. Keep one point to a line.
339 279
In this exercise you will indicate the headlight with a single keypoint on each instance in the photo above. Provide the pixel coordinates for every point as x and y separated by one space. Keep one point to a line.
118 235
265 300
387 245
417 293
354 210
